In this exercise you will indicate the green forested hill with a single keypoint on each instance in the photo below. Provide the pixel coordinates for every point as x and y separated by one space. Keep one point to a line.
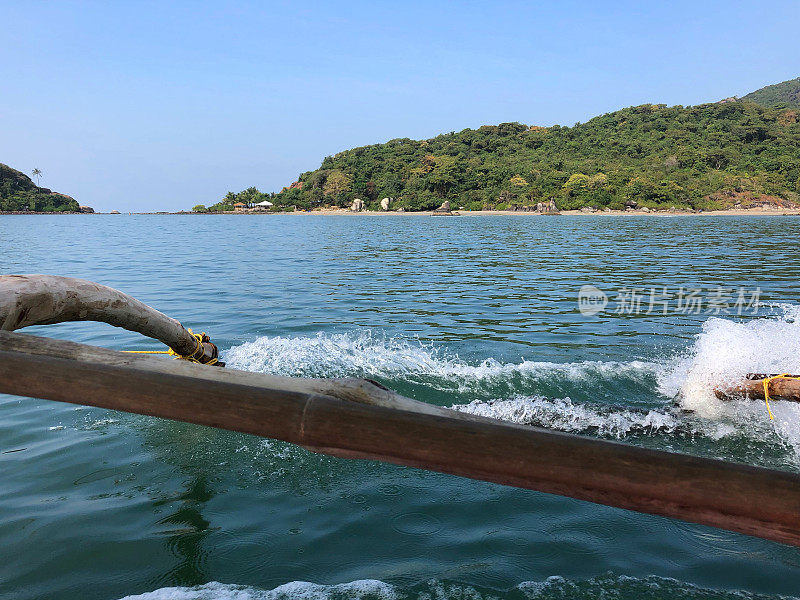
779 95
706 156
19 193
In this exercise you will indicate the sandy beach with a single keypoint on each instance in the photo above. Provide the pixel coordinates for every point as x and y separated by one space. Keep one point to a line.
749 212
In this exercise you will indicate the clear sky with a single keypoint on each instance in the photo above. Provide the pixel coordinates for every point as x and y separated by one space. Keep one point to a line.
163 105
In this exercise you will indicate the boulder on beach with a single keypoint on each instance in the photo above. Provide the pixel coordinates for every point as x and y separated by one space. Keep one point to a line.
385 204
547 207
358 205
445 207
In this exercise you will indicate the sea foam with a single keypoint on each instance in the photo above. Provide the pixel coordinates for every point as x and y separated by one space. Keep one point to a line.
552 588
368 355
564 415
678 391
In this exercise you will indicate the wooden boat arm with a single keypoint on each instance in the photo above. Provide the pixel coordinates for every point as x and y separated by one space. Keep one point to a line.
27 300
779 389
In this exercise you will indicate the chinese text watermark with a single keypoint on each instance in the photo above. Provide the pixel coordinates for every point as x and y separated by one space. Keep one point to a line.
664 300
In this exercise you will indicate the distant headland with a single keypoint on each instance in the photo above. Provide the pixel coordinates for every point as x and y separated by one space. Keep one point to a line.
19 195
734 154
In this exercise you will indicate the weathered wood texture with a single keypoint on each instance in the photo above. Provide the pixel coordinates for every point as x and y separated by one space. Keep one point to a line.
323 416
779 389
27 300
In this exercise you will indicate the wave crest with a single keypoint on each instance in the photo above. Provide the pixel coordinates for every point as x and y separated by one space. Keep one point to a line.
368 355
564 415
608 585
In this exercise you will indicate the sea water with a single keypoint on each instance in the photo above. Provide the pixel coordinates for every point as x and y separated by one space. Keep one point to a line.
475 313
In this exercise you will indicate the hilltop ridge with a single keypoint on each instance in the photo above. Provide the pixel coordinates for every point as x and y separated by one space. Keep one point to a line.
779 95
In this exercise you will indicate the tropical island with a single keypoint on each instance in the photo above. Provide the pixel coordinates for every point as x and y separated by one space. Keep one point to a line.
18 194
735 153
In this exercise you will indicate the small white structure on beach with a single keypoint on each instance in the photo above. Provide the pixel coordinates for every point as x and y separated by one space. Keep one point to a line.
265 205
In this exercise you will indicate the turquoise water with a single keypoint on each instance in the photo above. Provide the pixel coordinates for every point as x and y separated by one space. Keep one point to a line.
474 312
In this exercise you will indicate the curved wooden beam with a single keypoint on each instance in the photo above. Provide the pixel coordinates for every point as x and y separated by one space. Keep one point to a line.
27 300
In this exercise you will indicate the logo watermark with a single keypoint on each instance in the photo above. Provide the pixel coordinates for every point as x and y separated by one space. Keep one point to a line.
662 300
591 300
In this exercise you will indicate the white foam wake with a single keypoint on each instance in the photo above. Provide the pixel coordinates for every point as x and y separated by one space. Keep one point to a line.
724 351
553 588
369 355
564 415
296 590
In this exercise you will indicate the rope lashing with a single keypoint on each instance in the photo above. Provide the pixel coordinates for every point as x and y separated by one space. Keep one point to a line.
767 381
196 356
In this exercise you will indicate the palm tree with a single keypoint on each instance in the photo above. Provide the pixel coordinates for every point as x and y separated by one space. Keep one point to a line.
38 174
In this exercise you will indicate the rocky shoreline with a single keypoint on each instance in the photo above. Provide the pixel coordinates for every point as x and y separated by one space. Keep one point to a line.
742 212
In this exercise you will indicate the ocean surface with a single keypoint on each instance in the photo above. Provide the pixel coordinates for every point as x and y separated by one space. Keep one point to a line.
477 313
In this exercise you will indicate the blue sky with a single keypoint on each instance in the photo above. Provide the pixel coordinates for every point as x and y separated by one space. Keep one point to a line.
141 106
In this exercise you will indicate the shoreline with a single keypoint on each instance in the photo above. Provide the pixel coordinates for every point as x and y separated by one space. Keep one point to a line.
732 212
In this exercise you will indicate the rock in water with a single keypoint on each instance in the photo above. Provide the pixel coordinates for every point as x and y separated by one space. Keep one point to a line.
385 204
358 205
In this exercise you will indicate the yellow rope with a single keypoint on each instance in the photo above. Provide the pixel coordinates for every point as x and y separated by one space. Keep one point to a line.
767 381
193 357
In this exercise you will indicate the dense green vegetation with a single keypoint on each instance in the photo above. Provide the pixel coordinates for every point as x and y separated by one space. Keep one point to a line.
779 95
703 157
655 155
19 193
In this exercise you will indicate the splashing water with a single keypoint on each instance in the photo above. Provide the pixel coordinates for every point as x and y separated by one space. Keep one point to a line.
369 355
553 588
724 353
543 393
296 590
564 415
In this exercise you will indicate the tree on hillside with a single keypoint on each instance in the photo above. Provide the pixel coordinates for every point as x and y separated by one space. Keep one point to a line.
37 173
337 183
444 174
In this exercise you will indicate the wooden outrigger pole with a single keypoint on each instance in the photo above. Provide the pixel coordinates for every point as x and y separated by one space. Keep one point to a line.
356 418
763 386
